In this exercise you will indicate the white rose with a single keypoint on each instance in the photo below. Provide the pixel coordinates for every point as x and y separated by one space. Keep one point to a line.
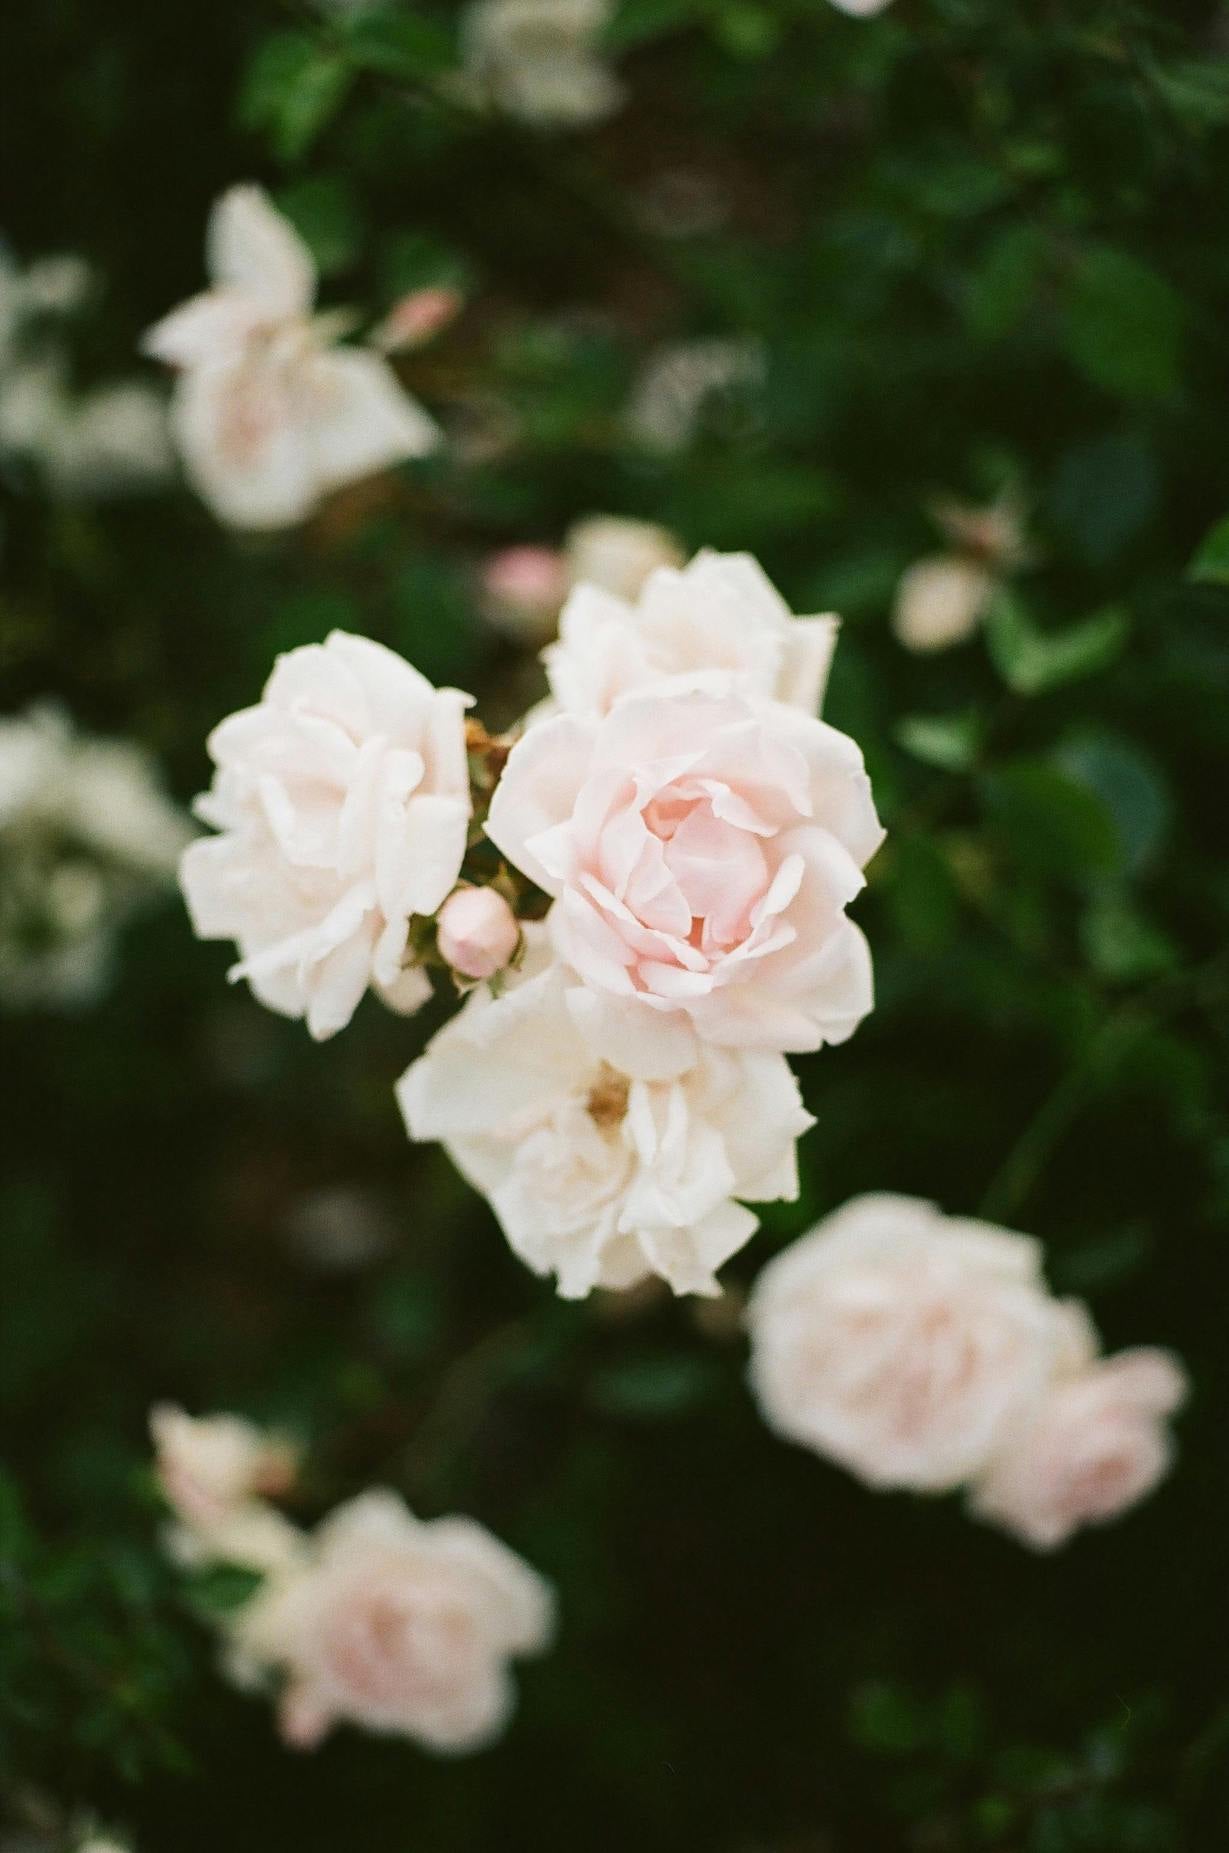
598 1178
343 805
905 1344
1096 1445
269 414
209 1466
719 613
398 1626
538 59
702 846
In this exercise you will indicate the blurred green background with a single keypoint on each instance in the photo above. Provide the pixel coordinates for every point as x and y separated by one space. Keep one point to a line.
969 247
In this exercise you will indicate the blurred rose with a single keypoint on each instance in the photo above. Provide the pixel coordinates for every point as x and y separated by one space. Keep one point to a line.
343 805
539 59
1095 1446
720 613
617 554
522 590
941 601
208 1466
398 1626
595 1177
270 415
701 848
905 1344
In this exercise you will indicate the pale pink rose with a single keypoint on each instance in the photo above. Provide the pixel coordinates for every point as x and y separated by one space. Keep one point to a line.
522 590
477 932
398 1626
417 318
343 804
719 613
940 601
701 846
905 1344
617 554
597 1177
1096 1445
269 413
208 1466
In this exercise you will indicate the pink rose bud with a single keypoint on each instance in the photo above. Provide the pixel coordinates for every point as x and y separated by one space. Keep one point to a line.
418 317
523 588
478 932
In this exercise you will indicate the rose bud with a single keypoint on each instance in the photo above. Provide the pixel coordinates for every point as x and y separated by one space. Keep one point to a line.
478 932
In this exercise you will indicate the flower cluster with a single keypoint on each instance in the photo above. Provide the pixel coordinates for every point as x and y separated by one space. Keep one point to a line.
923 1351
86 835
681 838
694 835
376 1618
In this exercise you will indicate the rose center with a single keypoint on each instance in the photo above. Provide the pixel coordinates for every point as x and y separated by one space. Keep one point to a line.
718 869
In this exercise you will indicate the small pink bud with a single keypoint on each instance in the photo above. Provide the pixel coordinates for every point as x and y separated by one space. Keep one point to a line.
417 317
478 932
524 588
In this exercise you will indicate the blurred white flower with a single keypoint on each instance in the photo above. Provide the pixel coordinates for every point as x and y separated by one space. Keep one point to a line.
941 599
208 1466
618 554
110 440
342 802
86 833
904 1344
269 413
539 60
719 613
1095 1445
596 1177
861 9
401 1627
679 383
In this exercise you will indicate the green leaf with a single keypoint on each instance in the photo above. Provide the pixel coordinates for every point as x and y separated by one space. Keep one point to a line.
223 1587
1048 822
1104 492
400 43
948 741
1031 660
325 213
1120 945
1124 325
651 1388
884 1717
1004 287
293 86
1128 782
1197 89
1211 560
